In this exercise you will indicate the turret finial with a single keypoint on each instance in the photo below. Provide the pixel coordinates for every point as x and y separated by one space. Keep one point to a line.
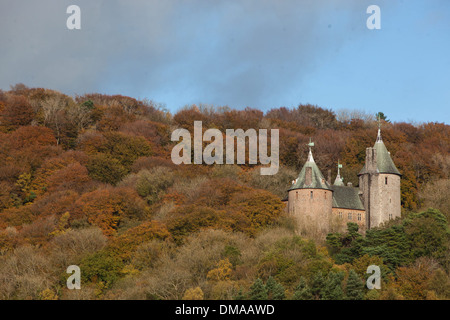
379 128
310 145
339 180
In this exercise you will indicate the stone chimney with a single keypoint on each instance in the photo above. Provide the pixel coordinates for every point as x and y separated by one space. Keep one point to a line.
308 176
371 160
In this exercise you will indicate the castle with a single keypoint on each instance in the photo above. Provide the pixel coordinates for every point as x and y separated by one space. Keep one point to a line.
321 207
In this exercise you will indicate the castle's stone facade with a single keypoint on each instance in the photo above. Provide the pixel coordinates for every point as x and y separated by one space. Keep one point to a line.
321 207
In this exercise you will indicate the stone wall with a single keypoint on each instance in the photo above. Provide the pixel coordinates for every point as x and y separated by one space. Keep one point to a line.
311 209
343 216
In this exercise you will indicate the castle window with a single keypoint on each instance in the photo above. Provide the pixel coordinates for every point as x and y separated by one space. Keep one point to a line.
390 216
359 216
340 215
296 195
311 194
325 194
349 216
385 180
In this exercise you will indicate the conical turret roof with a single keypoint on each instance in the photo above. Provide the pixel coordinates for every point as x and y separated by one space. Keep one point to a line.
384 160
317 179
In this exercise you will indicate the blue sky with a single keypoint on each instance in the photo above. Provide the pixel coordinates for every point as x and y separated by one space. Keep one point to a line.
258 53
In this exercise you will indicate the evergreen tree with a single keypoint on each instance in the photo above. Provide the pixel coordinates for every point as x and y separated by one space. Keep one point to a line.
317 284
355 287
332 289
275 290
239 295
258 291
302 291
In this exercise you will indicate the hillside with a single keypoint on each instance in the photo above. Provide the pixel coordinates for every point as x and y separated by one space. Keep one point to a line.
89 181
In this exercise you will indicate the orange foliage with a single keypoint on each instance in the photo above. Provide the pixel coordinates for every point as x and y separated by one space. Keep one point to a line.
125 244
106 208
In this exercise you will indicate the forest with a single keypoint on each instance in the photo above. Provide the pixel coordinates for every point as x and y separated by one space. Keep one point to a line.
88 181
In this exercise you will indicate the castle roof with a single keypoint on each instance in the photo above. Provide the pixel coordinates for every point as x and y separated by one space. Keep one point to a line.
346 197
317 179
384 160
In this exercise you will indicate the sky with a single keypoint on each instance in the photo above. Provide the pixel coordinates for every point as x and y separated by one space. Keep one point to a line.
258 53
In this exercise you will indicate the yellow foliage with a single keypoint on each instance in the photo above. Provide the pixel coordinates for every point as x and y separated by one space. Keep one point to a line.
63 223
24 182
48 294
193 294
130 270
222 272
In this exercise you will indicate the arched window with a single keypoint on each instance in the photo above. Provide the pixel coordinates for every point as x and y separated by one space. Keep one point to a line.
385 180
311 194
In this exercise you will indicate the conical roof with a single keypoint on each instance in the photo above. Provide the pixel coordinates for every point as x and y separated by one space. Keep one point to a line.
317 179
384 160
338 181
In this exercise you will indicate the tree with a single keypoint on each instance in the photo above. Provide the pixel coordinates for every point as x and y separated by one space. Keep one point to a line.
108 208
222 272
332 289
258 290
17 112
302 291
317 283
193 294
355 287
275 290
105 168
381 115
101 267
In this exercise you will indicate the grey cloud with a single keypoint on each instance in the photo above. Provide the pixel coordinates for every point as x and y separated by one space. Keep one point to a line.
239 52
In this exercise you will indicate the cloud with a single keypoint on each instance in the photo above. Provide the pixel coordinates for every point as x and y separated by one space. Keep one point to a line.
240 53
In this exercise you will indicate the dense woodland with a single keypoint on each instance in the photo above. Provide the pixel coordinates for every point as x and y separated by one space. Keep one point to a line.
88 181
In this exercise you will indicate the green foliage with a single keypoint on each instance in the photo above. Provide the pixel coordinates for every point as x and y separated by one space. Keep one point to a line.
355 287
317 284
275 290
428 234
103 267
258 290
381 116
423 234
332 288
302 291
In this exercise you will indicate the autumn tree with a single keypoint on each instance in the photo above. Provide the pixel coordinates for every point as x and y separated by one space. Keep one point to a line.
16 112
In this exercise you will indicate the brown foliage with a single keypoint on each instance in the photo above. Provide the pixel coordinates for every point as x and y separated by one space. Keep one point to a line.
107 208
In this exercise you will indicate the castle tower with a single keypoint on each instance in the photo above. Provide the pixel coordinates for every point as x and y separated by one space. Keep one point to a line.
379 183
310 198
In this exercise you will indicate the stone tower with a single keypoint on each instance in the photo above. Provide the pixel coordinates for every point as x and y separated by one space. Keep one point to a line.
310 198
379 183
